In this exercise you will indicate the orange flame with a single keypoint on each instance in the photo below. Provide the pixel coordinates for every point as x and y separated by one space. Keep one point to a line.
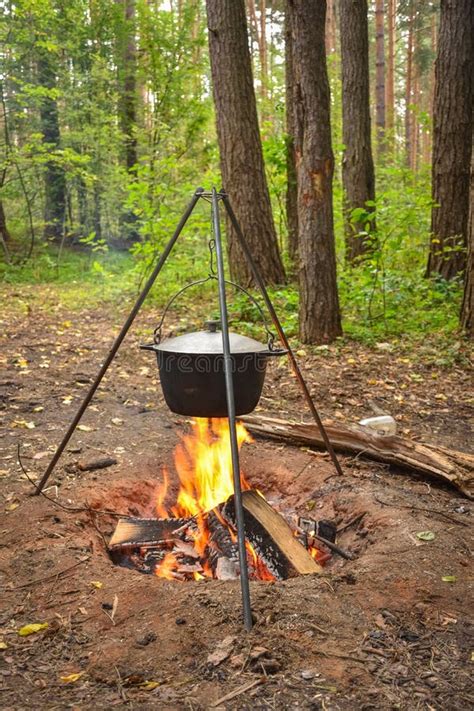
203 462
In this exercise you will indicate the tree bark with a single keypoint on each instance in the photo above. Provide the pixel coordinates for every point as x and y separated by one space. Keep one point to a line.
291 130
380 75
54 175
127 107
390 81
452 138
320 320
409 82
467 309
241 155
330 27
357 163
4 231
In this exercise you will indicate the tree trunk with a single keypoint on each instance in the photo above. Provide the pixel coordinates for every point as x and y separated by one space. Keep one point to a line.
291 130
330 27
409 83
357 163
241 156
390 82
4 231
379 75
467 309
127 106
54 175
415 126
452 138
320 320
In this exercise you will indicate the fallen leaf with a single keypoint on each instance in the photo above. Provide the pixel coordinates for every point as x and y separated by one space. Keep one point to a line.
12 507
301 353
68 399
426 535
23 423
221 652
448 578
97 584
21 362
32 628
84 428
3 645
40 408
71 678
149 685
117 421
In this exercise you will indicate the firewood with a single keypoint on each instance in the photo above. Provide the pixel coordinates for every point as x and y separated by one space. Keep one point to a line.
140 531
447 465
272 538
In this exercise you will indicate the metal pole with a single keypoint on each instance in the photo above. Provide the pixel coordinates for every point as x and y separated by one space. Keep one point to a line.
118 340
229 385
280 331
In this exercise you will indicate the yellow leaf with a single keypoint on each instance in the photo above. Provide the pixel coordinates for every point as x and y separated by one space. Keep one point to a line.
440 396
31 629
351 361
40 408
149 685
68 399
23 423
71 678
3 645
117 421
84 428
66 324
301 353
21 362
97 584
12 507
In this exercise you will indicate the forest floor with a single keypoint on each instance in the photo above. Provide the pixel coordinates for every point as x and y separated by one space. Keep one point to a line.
382 631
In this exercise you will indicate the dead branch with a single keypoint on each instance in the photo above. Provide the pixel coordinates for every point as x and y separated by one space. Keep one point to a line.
447 465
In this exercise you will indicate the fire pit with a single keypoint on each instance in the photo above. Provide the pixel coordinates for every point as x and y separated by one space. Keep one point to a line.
196 536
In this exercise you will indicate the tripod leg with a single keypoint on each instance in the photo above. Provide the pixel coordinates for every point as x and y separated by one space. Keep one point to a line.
118 341
229 385
280 331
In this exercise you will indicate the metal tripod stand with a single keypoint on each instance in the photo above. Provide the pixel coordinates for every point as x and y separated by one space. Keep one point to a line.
214 197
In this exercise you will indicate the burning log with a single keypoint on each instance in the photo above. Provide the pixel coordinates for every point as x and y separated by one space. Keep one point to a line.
447 465
168 545
272 538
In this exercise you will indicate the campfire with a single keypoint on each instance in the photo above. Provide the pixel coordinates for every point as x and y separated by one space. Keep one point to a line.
195 537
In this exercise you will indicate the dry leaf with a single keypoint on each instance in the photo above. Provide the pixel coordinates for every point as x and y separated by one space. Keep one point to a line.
68 399
12 507
23 423
3 645
32 628
117 421
149 685
97 584
221 652
71 678
40 408
84 428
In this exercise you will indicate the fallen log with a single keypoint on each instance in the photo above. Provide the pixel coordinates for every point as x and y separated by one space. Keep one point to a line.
450 466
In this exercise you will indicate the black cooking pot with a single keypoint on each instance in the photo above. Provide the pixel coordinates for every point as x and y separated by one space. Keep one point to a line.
192 371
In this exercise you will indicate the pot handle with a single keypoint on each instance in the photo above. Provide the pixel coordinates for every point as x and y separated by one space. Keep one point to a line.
270 336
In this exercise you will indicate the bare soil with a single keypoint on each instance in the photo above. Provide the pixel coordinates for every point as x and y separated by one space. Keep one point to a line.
383 631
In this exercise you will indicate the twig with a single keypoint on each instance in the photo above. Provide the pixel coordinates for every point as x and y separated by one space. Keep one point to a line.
237 692
354 521
53 575
72 509
424 509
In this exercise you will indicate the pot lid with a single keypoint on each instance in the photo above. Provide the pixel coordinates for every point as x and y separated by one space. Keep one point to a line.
210 342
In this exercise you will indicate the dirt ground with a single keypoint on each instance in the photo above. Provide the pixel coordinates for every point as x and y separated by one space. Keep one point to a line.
382 631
